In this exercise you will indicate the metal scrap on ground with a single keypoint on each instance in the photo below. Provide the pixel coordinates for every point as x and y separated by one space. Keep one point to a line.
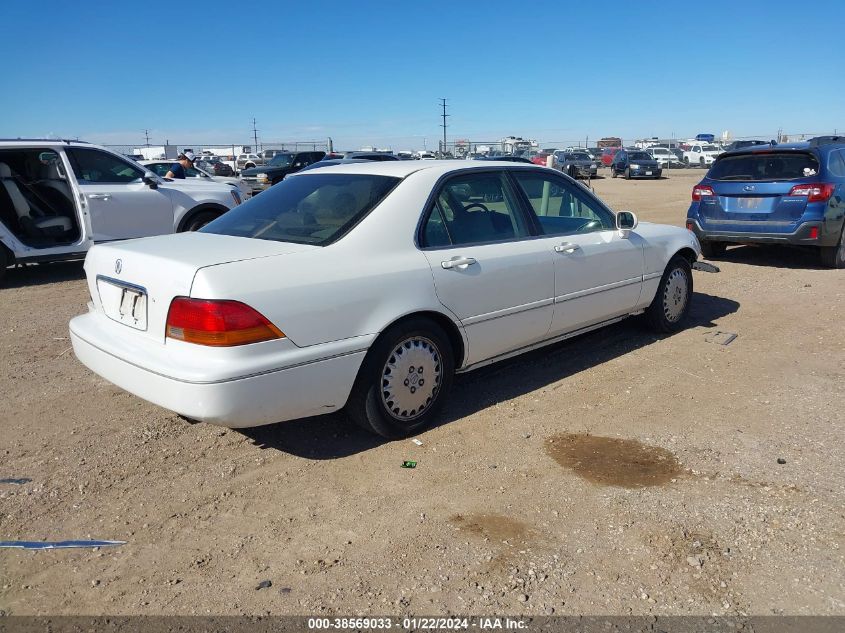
19 482
721 338
58 544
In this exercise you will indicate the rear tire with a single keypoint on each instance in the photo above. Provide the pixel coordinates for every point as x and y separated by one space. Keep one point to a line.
670 307
4 261
713 249
627 173
834 256
404 379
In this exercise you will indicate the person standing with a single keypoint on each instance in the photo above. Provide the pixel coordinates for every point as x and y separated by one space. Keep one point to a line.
178 169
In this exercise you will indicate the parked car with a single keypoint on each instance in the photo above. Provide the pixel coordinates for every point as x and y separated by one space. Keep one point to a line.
248 161
665 158
539 158
58 198
745 143
333 161
161 167
261 178
634 163
576 164
783 194
508 158
365 287
607 154
701 155
425 155
215 166
372 155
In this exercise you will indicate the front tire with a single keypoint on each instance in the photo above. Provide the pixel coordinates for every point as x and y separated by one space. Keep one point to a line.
670 307
613 173
834 256
404 379
200 220
627 173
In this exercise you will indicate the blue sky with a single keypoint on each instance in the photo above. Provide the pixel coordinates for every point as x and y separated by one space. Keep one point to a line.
372 72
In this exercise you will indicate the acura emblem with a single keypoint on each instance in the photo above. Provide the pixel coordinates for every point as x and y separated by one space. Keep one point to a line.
118 266
748 188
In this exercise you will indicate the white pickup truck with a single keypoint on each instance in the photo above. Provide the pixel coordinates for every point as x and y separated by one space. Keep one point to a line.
701 155
58 198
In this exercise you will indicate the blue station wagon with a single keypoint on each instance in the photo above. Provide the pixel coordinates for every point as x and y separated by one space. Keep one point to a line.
781 194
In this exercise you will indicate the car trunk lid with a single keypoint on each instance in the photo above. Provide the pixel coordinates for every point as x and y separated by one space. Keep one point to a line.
134 282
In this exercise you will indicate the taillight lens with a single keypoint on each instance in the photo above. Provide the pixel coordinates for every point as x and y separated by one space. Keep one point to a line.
700 191
217 323
816 192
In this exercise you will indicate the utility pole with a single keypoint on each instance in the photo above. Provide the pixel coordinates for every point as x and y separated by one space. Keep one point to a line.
443 125
254 136
147 135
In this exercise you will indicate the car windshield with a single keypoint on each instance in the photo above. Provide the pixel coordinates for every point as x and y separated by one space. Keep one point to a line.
639 156
709 148
281 160
659 150
309 209
765 166
579 156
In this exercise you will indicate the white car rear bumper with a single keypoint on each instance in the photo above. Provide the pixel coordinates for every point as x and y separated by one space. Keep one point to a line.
309 388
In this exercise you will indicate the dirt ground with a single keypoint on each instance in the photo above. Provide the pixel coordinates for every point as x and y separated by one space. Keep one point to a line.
615 473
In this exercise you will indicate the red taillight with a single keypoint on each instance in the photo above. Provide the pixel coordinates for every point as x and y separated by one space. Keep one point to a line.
816 192
690 225
217 323
814 233
699 191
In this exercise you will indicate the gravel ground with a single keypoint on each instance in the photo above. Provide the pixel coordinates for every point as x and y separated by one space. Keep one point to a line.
616 473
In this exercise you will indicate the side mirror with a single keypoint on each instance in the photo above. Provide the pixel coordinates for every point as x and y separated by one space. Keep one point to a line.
150 179
626 221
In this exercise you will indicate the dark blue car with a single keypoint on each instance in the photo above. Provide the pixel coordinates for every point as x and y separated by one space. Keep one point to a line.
780 194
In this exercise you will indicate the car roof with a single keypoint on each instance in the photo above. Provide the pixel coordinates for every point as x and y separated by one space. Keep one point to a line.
403 168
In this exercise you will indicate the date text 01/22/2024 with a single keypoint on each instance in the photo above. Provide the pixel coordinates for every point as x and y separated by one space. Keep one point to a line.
416 624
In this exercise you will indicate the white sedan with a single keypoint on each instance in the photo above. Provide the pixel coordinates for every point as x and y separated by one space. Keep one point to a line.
161 167
367 286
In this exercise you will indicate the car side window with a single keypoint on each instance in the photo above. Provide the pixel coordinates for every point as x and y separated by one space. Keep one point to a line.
474 209
836 164
96 166
563 208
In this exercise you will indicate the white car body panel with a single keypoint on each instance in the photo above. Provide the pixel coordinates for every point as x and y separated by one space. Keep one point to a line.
332 302
115 211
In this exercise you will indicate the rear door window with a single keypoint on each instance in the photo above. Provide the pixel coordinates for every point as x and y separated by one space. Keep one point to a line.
96 166
836 164
769 166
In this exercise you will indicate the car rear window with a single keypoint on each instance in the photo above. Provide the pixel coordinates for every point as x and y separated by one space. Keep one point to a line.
311 209
765 166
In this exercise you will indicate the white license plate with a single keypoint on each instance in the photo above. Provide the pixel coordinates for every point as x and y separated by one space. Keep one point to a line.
648 173
123 303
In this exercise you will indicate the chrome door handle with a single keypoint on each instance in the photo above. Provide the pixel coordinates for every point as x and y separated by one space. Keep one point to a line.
568 247
99 196
458 262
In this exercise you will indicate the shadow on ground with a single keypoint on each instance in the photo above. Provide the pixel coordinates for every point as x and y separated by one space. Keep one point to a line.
333 436
42 274
773 256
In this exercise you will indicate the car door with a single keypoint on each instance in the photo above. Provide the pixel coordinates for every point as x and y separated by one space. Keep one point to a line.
120 205
598 272
488 271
